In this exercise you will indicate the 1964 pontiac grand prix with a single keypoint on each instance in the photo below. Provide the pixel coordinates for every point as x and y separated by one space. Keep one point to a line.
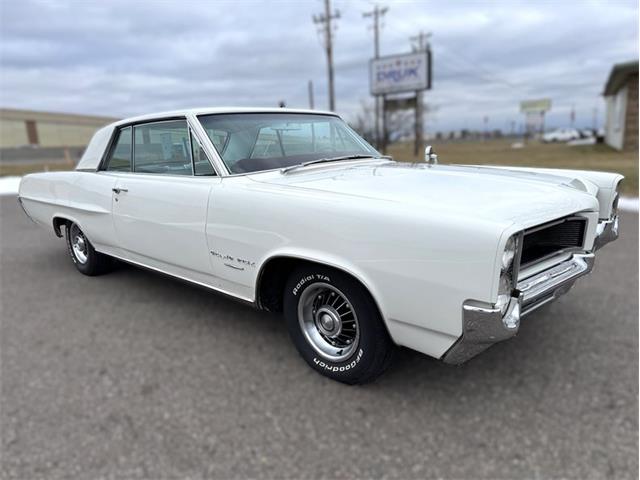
292 211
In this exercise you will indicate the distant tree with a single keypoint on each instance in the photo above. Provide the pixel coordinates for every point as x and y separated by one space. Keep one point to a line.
365 122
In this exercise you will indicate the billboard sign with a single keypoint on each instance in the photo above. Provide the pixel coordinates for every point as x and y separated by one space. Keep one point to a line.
535 106
400 73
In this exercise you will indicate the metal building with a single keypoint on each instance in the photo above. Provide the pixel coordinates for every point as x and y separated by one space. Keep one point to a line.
621 97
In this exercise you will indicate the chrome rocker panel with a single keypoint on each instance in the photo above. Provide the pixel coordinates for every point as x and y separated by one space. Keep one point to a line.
484 325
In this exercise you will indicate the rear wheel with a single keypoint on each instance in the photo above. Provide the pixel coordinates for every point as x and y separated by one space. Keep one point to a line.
335 325
84 256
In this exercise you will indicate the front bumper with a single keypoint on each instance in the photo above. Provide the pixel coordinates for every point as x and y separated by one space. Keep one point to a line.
606 231
484 325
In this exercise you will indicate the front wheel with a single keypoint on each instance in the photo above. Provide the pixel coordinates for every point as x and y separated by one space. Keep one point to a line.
335 325
84 256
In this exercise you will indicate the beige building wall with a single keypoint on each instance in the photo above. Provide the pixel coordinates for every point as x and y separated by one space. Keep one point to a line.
64 135
49 129
13 133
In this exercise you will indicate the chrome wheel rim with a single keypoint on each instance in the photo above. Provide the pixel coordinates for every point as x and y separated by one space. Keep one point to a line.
78 244
328 321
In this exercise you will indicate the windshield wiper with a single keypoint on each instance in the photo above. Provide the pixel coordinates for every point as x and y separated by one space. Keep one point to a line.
332 159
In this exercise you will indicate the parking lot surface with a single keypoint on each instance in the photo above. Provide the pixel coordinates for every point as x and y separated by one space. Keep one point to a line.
136 375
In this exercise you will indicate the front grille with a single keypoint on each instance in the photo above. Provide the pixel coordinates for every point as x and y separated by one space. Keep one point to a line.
552 238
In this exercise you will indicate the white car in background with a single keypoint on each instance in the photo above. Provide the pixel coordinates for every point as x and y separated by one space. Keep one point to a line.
290 210
561 135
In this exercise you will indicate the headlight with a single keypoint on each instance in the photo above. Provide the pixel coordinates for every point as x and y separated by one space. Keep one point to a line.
509 254
504 293
507 275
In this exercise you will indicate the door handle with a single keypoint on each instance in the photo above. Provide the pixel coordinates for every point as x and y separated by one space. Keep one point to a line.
118 190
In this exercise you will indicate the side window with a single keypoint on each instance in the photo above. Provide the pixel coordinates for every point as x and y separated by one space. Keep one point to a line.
162 148
120 160
201 165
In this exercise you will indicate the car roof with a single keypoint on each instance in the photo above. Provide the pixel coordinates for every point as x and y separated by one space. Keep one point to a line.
94 152
216 110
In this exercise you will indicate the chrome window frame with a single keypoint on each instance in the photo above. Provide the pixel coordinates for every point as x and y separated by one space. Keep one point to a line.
192 125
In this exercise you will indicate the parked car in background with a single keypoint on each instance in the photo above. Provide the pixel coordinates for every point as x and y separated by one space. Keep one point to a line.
587 133
291 211
561 135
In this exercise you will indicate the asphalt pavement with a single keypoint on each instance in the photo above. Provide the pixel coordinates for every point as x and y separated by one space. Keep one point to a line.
136 375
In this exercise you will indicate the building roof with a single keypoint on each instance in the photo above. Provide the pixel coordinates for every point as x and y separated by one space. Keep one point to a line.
54 117
618 76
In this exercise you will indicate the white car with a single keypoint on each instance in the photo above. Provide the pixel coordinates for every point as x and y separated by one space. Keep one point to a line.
561 135
292 211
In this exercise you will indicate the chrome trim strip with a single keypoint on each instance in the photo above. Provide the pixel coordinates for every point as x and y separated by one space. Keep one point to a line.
188 280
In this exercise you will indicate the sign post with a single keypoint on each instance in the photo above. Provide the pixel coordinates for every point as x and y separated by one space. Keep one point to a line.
534 111
395 74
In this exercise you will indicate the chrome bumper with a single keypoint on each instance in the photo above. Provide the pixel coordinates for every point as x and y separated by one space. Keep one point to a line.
550 284
484 325
606 231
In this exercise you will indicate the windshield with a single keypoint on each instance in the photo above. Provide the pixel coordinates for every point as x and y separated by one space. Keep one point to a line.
251 142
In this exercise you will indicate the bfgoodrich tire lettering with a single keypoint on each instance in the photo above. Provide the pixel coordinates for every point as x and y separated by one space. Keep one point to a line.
335 325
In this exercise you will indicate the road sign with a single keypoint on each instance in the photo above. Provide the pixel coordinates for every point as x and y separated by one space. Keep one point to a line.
535 106
400 73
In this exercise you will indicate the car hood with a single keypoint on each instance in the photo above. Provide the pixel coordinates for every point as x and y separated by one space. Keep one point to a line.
502 195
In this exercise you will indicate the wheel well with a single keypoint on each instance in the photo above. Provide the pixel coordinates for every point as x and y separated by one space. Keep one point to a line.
274 275
58 224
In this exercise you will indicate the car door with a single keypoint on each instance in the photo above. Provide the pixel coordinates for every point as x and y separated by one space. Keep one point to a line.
159 208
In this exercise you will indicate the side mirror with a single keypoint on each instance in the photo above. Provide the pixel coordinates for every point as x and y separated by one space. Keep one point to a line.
429 155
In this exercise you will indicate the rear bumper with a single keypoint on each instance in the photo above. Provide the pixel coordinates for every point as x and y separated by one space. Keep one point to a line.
484 324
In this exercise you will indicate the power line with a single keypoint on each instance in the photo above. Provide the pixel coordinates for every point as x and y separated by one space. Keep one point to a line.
324 20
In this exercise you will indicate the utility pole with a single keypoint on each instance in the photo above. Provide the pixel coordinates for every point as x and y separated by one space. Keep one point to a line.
377 13
572 115
420 44
310 94
324 20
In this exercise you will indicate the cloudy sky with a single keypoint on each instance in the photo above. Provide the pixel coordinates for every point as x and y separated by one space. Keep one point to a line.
121 58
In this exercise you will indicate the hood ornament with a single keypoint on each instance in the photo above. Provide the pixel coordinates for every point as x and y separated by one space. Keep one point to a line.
430 156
